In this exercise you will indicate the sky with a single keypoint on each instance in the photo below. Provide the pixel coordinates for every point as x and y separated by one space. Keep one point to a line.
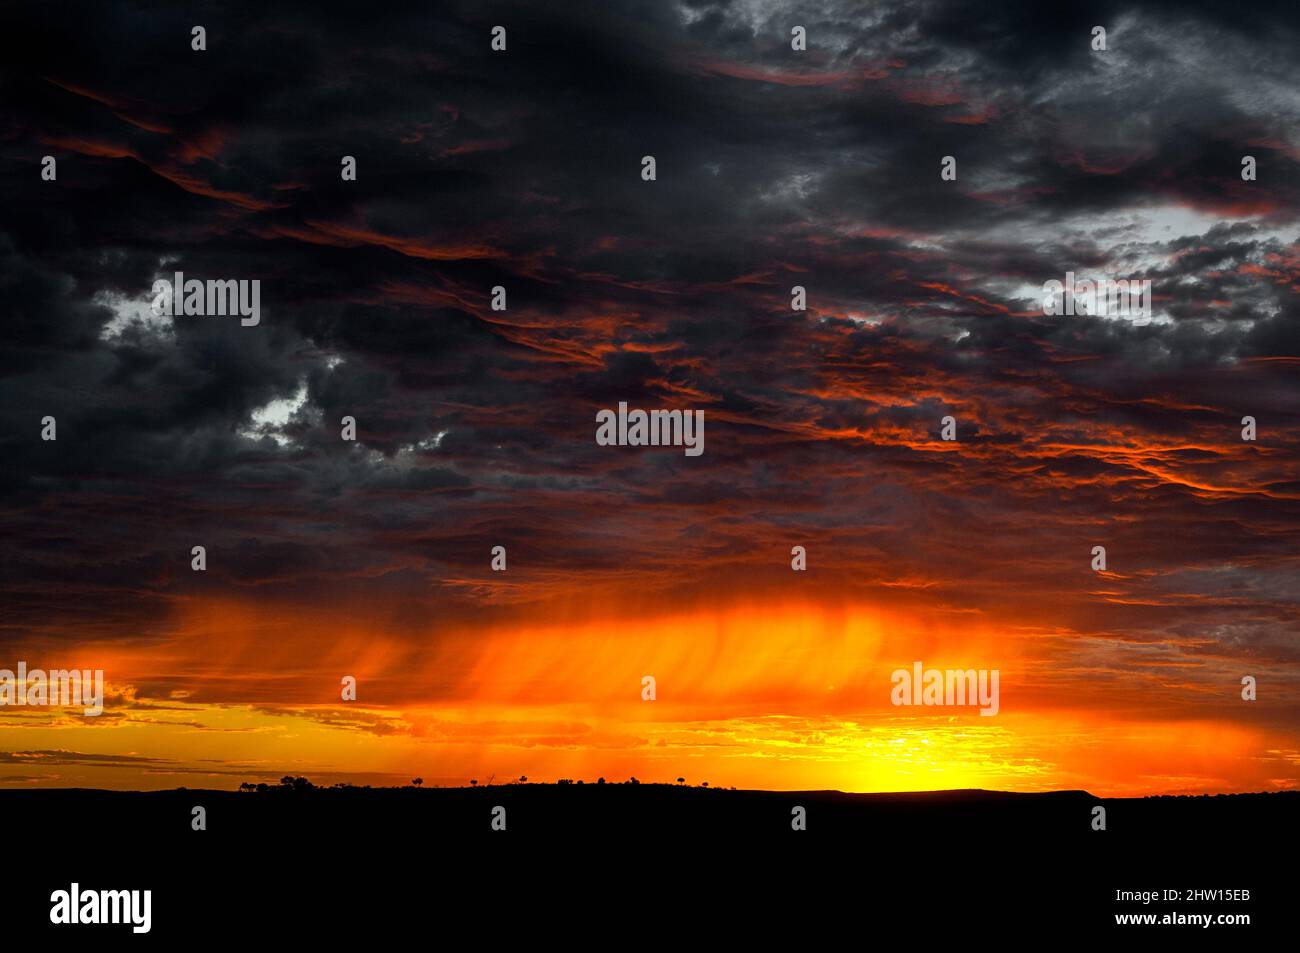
476 428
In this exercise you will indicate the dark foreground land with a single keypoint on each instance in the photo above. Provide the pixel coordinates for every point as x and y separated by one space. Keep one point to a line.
632 863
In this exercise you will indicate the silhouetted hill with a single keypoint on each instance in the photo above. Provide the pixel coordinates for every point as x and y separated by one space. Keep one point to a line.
578 812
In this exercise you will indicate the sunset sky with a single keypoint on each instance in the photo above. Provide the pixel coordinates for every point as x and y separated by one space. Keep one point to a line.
476 428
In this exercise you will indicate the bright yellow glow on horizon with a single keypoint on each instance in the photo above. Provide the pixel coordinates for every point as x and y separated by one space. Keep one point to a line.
779 696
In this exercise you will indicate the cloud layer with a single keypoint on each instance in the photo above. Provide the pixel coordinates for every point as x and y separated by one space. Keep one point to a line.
476 427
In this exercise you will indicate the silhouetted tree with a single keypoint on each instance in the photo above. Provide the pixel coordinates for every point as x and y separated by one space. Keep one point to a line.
681 780
417 781
288 783
473 782
600 780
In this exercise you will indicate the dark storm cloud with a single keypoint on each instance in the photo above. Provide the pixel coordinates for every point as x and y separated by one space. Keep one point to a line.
774 169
